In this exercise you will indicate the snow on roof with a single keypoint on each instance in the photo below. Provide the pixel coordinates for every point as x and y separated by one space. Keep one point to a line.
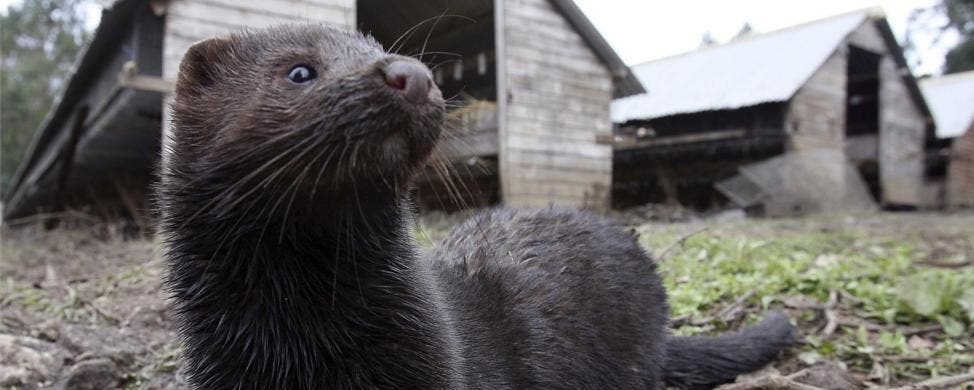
752 70
951 100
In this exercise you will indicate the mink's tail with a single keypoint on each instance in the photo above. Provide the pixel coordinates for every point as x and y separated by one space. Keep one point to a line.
705 362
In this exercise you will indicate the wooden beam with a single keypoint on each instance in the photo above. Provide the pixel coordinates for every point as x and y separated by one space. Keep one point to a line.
604 139
626 144
129 77
478 144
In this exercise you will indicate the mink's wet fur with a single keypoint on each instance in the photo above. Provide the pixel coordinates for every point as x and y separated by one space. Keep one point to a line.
292 265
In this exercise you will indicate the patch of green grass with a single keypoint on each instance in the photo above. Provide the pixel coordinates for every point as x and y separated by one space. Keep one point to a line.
65 305
887 290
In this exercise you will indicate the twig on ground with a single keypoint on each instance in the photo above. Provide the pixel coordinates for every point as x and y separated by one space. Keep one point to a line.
662 254
940 383
833 299
856 322
730 312
905 359
911 331
773 381
946 264
923 329
831 317
831 323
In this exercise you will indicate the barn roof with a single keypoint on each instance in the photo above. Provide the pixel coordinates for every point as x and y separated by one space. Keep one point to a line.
950 98
745 72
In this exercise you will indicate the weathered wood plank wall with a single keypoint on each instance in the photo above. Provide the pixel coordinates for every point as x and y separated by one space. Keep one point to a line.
190 21
901 140
902 126
557 104
815 117
960 174
814 120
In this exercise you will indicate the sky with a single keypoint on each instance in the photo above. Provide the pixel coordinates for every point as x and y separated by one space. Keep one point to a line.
643 30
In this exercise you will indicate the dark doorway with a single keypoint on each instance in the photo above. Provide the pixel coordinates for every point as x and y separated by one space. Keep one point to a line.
862 115
862 98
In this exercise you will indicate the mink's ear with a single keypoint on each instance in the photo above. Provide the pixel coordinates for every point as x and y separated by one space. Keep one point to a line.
200 67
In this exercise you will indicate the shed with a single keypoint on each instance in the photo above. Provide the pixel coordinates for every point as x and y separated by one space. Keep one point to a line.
546 139
838 84
950 98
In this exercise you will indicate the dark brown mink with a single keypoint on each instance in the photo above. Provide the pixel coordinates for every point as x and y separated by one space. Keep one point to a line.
284 206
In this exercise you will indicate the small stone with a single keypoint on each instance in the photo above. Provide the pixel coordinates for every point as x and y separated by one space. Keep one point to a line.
92 374
48 331
830 376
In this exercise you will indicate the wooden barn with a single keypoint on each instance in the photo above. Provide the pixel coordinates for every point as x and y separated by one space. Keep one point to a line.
830 103
546 138
951 100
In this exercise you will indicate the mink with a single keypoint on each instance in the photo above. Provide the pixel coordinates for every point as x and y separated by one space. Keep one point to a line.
284 205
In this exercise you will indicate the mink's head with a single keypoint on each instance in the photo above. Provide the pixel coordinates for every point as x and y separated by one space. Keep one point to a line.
298 114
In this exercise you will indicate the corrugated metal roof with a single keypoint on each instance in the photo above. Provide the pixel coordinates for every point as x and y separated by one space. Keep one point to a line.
759 69
951 99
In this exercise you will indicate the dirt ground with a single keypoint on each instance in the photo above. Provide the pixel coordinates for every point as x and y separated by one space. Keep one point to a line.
83 305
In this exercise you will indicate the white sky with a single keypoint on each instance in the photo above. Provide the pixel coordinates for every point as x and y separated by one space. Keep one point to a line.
643 30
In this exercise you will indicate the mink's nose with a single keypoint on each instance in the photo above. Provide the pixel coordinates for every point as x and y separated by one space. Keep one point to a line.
411 78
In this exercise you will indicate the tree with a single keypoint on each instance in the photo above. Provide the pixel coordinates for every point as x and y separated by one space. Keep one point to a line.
959 16
745 31
707 39
39 40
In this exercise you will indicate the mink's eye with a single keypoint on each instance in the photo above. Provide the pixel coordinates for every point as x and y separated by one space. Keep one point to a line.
301 74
